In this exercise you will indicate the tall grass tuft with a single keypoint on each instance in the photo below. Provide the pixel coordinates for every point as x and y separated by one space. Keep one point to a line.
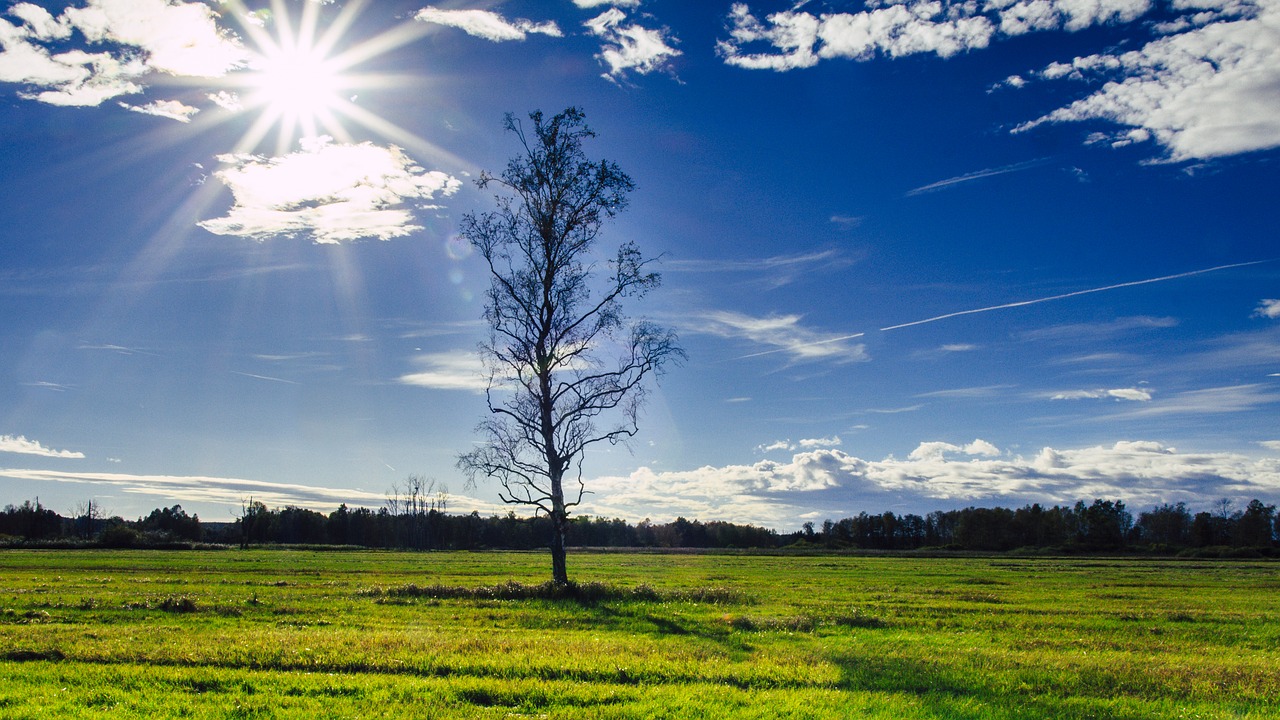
586 593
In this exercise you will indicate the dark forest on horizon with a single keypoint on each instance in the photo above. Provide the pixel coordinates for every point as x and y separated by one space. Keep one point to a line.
423 523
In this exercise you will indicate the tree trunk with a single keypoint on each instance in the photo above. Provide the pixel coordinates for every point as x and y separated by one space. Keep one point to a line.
559 570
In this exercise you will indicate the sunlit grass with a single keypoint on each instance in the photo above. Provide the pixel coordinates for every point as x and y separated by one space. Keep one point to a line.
300 634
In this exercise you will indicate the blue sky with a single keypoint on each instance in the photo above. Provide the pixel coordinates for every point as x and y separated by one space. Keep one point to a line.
921 255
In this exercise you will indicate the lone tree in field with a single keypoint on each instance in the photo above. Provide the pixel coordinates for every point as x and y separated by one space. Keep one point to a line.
566 366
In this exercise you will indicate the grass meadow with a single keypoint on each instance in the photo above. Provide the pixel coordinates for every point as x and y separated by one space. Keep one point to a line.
290 633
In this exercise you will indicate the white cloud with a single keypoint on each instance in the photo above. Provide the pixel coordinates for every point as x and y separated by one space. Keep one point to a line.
803 444
73 78
829 481
780 333
1019 18
1271 444
487 24
1268 309
1134 394
450 371
1075 332
233 491
1229 399
796 39
178 38
937 450
1205 92
129 39
587 4
42 24
332 192
774 271
226 100
171 109
21 445
966 392
630 47
1205 88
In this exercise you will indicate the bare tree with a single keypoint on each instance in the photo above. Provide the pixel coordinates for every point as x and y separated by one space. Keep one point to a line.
88 513
415 505
555 316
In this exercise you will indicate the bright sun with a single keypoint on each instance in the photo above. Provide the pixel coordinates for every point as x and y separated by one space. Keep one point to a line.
296 82
298 86
302 83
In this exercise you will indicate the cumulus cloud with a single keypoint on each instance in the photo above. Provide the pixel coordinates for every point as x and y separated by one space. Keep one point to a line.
171 109
1204 86
1134 394
122 42
1271 444
1268 309
487 24
794 39
21 445
332 192
802 444
449 371
780 333
630 47
1208 89
226 100
937 450
779 494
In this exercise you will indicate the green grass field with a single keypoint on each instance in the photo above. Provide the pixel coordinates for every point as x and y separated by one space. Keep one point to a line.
278 633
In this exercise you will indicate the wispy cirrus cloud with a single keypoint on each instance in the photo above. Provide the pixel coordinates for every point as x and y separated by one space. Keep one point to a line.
1131 394
966 392
487 24
588 4
449 371
1073 332
330 192
1207 401
780 334
21 445
774 271
232 491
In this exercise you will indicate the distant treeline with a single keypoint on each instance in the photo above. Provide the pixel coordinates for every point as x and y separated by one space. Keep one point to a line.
1103 526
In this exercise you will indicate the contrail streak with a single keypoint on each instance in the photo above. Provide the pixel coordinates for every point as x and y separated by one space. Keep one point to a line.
1023 303
978 175
1020 303
264 377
